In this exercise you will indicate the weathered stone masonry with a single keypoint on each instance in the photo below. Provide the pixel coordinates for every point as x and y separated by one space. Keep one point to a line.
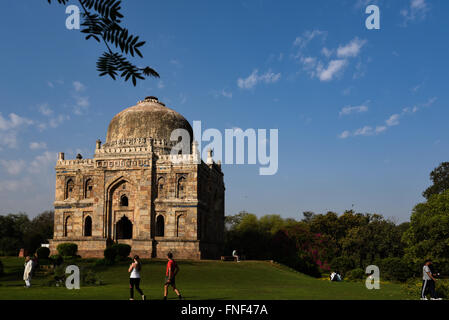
133 191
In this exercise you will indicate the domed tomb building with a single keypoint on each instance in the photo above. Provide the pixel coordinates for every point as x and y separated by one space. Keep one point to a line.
133 191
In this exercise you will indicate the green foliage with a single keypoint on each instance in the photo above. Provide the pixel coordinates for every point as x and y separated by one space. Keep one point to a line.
440 179
1 268
67 249
43 253
356 274
90 278
110 254
342 264
56 259
428 235
101 21
122 250
12 230
396 269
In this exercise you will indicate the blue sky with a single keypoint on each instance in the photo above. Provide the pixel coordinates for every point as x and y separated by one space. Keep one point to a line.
362 114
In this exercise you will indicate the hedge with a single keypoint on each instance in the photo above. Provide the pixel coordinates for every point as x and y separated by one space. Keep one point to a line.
67 249
43 253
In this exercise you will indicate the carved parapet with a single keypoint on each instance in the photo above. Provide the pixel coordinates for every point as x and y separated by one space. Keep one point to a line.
75 162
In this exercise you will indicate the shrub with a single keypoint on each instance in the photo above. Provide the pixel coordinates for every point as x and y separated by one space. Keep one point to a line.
342 264
90 278
395 269
109 255
122 250
43 253
1 268
57 259
67 249
412 288
356 274
442 289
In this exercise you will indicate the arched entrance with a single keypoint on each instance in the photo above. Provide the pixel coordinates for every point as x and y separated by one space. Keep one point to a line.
124 229
160 226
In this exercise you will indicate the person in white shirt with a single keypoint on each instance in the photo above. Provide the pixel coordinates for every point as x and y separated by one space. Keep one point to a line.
235 255
134 278
27 272
428 284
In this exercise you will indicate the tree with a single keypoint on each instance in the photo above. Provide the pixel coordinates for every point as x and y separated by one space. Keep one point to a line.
101 20
39 231
12 228
440 179
428 235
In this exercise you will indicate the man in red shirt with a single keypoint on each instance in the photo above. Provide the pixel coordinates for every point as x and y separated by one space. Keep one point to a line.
172 271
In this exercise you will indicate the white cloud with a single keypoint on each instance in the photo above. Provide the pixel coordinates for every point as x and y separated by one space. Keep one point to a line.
42 162
334 67
13 167
353 109
352 49
38 145
308 36
416 10
45 109
160 85
226 94
15 185
78 86
14 122
393 120
254 78
345 134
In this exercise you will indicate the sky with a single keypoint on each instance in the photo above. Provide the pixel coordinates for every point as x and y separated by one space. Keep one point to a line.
361 114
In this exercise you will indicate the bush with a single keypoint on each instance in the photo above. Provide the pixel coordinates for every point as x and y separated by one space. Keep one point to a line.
56 259
67 249
90 278
395 269
442 289
356 274
43 253
342 264
109 255
122 250
1 268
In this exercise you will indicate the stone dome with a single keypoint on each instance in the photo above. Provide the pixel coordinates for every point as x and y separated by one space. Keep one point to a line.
148 119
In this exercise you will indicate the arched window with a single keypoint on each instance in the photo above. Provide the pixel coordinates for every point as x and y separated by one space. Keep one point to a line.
124 201
68 226
180 225
161 187
88 226
124 229
181 188
88 189
70 187
160 225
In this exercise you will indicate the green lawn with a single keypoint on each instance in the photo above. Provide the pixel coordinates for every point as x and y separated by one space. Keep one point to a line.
197 280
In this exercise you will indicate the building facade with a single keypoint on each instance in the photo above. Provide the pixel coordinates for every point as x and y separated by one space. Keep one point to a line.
134 191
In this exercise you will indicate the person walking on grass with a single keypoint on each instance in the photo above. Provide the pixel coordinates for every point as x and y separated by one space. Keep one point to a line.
134 278
170 274
28 271
428 284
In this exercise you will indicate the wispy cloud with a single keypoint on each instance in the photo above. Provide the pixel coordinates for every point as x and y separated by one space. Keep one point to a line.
38 145
254 78
9 128
392 121
78 86
353 109
330 63
13 167
416 10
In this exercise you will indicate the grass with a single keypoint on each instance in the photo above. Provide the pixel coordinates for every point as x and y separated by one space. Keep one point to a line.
197 280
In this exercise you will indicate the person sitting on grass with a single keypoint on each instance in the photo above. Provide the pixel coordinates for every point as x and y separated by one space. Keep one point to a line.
170 274
134 278
27 272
